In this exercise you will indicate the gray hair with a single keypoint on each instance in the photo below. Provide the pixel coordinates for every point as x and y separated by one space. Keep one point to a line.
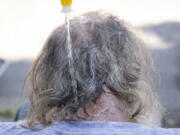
105 52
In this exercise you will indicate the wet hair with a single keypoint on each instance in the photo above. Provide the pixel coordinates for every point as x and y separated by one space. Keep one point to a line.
105 52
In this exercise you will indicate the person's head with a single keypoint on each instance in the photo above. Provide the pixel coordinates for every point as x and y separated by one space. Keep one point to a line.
112 70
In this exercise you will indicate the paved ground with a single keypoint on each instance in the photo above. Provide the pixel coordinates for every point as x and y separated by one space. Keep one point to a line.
25 25
11 86
168 66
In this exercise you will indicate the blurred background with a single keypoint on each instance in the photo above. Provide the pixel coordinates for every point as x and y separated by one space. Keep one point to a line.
25 25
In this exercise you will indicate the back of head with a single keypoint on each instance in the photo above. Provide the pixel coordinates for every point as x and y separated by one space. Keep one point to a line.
105 52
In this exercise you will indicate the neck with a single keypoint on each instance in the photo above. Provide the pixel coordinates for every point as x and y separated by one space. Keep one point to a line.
108 107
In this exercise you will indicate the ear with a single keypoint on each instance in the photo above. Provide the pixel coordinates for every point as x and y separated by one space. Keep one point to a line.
106 89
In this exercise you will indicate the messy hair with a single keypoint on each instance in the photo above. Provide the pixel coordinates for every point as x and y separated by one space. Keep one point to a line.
105 52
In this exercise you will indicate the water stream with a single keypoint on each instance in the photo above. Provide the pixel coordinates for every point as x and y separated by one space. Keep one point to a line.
70 56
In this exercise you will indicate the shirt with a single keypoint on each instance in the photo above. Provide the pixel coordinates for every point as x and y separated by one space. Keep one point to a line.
85 128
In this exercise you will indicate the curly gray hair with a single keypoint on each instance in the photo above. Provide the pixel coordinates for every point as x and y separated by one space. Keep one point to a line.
104 52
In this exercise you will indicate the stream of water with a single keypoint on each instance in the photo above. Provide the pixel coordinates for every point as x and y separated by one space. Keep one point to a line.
70 56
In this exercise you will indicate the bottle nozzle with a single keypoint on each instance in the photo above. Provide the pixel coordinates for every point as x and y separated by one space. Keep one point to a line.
66 4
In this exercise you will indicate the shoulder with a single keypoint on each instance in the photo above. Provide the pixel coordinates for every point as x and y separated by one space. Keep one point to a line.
11 128
163 131
6 126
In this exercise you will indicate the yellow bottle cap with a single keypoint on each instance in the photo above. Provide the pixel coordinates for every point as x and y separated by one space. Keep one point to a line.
66 2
